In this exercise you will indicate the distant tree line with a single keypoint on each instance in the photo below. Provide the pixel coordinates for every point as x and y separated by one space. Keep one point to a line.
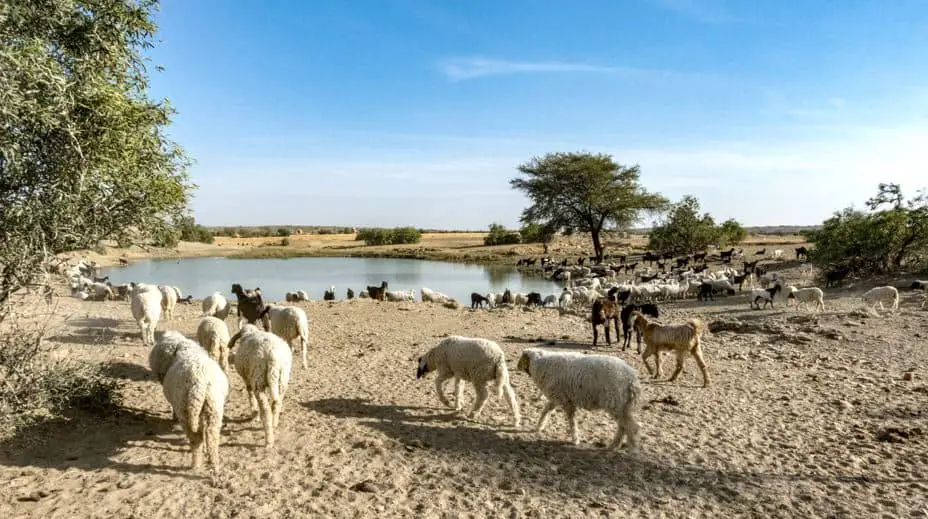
395 236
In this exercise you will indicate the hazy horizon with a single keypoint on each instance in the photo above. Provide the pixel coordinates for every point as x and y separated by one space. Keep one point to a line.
397 112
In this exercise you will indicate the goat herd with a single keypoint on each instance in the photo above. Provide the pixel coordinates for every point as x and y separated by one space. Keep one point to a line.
194 376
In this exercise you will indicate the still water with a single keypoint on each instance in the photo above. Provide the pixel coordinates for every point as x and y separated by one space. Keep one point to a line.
203 276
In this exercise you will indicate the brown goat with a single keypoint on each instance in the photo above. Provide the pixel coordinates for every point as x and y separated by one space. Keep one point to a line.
682 339
604 311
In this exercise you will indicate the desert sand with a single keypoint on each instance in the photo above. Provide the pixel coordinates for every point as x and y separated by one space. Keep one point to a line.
808 415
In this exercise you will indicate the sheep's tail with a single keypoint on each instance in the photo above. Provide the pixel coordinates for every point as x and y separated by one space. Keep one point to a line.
195 407
273 381
211 425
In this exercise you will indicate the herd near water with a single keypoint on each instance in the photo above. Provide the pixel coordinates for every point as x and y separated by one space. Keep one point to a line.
194 373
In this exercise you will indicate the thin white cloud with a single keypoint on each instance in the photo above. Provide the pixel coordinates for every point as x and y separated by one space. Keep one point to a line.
470 68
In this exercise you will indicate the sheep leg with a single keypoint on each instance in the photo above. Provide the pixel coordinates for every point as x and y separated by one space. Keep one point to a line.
439 383
267 419
697 354
619 433
481 399
458 394
513 404
681 355
196 443
543 419
571 411
253 398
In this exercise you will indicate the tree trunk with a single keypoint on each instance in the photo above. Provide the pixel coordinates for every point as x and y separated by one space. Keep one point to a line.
597 246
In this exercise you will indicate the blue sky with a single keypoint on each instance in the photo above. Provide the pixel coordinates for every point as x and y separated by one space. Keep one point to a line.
415 112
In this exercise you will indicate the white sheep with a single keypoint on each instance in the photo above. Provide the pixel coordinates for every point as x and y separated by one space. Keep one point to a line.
575 381
473 360
297 296
777 254
288 323
879 295
98 291
263 360
434 296
168 301
146 310
565 300
216 305
400 295
806 295
197 387
213 336
165 349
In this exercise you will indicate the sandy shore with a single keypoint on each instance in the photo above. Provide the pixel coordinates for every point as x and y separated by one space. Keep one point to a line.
809 415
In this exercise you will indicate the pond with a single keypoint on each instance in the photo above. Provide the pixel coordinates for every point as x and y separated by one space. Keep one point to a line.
276 277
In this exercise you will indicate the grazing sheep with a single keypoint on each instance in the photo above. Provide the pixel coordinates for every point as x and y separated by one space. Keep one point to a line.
566 299
288 323
263 360
604 311
550 299
196 387
647 309
99 291
473 360
533 299
433 296
168 301
250 303
577 381
879 295
297 296
805 295
399 295
777 254
766 295
165 349
146 310
682 339
477 300
213 336
216 305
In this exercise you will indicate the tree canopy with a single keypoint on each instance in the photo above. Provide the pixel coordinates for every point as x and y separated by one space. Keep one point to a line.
583 192
83 151
892 235
684 230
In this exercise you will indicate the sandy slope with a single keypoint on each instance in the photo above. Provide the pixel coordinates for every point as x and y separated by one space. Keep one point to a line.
795 424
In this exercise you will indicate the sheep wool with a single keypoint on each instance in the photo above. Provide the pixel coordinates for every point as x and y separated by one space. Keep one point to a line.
146 310
216 305
473 360
213 336
165 349
197 388
879 295
574 381
168 301
263 360
288 323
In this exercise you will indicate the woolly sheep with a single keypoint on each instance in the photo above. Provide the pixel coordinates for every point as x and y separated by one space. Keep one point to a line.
574 381
400 295
165 349
99 291
197 388
565 300
146 310
551 300
473 360
879 295
806 295
263 360
216 305
434 296
168 301
288 323
213 336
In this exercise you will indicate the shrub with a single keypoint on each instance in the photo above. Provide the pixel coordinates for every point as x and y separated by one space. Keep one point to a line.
536 233
285 242
731 233
34 383
379 236
499 235
684 230
283 231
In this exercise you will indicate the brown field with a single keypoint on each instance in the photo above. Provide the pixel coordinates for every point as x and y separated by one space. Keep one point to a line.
808 415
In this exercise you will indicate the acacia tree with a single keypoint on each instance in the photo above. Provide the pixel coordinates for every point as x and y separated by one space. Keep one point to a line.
583 192
684 230
83 150
891 236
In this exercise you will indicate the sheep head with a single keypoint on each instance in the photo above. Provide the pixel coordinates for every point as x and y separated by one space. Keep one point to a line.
423 368
525 361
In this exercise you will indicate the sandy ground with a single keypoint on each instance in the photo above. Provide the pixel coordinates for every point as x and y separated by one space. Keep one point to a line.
809 415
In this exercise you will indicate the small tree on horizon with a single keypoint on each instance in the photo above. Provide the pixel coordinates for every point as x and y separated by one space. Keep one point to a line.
684 230
582 191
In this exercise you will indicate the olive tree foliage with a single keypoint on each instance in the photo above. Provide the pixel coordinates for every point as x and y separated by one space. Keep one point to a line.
891 236
583 192
684 231
83 150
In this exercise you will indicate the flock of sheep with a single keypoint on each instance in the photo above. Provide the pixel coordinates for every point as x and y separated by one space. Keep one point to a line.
194 374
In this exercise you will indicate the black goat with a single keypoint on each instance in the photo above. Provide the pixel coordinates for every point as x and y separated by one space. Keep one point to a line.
250 304
836 275
726 254
802 252
919 285
477 300
378 293
507 297
700 256
329 294
631 267
761 252
647 309
350 294
534 299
